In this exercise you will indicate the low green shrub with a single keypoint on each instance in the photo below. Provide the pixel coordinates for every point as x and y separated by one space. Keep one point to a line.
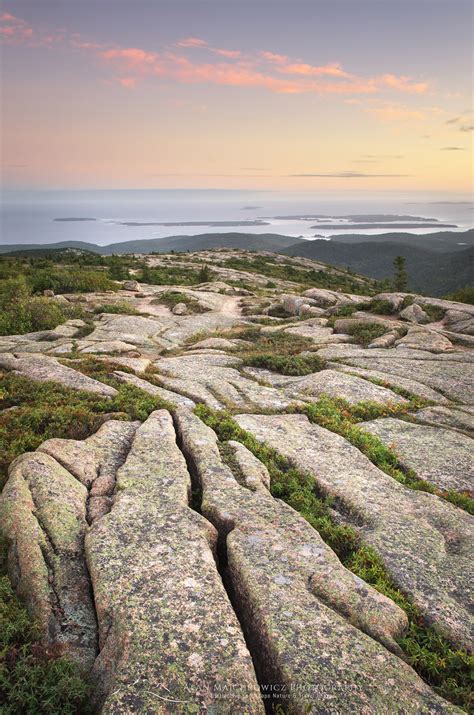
381 306
21 313
33 679
71 280
462 295
364 333
287 364
121 308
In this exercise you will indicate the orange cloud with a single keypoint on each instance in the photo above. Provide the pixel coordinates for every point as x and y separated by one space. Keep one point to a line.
404 84
332 70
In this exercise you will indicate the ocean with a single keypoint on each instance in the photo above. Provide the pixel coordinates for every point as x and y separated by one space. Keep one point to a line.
30 216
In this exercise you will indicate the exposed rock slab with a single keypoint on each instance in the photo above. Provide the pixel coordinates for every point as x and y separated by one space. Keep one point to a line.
43 518
214 380
42 368
424 541
305 615
94 461
447 417
405 383
425 339
338 384
439 456
454 379
168 634
172 397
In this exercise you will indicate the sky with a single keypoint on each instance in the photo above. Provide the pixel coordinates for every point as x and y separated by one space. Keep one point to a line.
296 96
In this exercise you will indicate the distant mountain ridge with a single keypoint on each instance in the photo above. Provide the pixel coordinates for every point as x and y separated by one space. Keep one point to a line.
437 263
199 242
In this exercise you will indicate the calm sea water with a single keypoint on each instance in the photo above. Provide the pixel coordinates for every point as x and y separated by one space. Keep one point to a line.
28 216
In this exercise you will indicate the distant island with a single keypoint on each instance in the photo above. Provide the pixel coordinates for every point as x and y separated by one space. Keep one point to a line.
365 226
220 224
74 218
366 218
250 208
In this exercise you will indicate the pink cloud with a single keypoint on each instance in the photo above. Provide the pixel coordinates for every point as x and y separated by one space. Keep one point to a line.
332 70
263 69
404 84
272 57
127 82
231 54
191 42
14 30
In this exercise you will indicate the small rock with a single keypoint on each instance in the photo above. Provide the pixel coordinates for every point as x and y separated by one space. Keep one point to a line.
48 293
180 309
131 285
414 314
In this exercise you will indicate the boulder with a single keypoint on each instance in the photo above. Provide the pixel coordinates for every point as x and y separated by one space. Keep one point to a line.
425 339
131 285
459 321
48 293
414 314
180 309
313 627
323 298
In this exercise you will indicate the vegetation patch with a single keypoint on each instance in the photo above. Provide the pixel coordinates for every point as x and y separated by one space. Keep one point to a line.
21 312
381 306
364 333
444 668
311 278
120 308
347 420
33 679
171 299
287 364
42 410
462 295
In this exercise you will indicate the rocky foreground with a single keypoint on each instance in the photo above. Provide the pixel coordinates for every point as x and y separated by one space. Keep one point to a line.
160 556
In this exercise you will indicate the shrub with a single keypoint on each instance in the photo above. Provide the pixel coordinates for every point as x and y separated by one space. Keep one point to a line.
287 364
462 295
76 280
382 307
21 313
33 679
365 333
117 308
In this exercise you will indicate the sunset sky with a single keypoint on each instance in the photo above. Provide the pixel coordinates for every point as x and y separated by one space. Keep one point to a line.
234 94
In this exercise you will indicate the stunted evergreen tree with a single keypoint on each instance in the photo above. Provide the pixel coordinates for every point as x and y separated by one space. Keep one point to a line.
400 281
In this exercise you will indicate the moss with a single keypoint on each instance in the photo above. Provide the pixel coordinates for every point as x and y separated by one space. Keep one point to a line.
446 669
